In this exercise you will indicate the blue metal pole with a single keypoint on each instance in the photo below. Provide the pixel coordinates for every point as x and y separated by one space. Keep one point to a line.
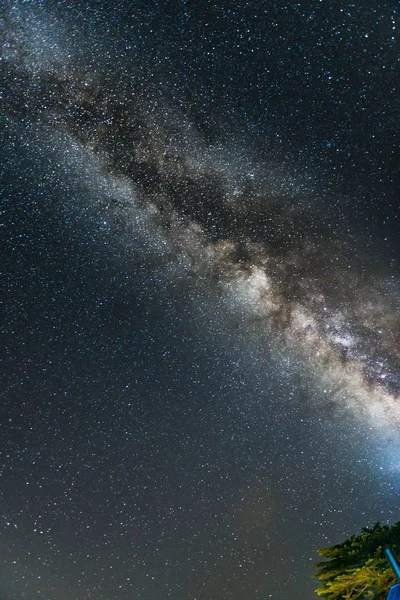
394 592
394 563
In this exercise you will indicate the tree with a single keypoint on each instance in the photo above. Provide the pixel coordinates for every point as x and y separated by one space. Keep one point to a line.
358 569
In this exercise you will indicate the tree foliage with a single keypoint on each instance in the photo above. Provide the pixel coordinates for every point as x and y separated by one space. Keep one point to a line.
358 569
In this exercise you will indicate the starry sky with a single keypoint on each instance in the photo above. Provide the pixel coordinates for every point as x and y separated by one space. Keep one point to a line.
200 294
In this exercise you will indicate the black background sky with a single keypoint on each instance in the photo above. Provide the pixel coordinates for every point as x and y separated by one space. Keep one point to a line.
200 294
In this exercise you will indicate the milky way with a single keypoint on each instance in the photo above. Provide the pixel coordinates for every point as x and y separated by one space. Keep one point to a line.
218 210
141 167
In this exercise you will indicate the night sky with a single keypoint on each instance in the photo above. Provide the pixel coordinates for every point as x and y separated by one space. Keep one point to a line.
201 294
